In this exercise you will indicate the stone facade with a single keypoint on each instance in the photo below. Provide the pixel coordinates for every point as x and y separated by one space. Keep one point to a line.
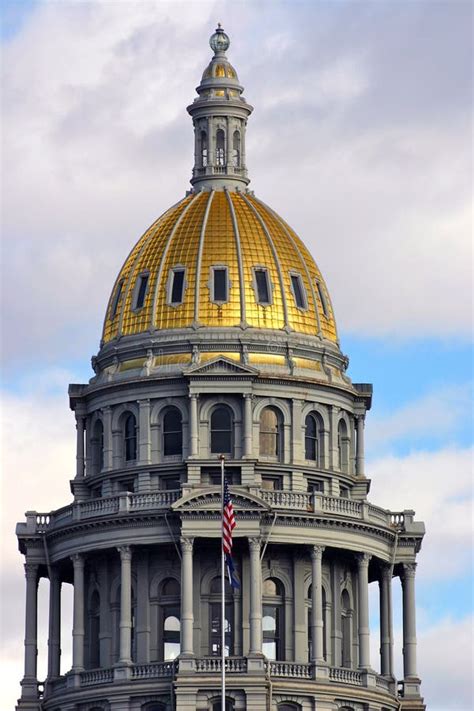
141 541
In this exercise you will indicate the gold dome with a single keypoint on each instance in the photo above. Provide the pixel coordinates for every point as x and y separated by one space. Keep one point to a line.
239 234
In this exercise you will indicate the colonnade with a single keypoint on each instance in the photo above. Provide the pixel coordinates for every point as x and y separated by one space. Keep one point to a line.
407 575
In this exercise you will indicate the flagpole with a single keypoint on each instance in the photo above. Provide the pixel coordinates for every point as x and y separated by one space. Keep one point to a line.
222 589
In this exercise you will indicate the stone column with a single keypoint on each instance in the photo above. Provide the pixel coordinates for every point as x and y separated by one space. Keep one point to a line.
144 433
107 422
187 613
386 642
317 605
193 425
360 446
409 621
29 683
255 597
80 431
54 638
143 611
248 425
335 464
125 655
363 596
78 614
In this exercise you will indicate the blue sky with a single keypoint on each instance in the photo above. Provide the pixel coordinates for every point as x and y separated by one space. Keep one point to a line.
359 139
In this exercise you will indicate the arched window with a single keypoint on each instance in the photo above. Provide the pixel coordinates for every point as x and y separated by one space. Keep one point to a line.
314 429
221 430
204 153
215 616
217 705
170 603
343 446
273 622
130 438
94 631
346 629
236 149
98 446
220 147
172 432
288 707
270 433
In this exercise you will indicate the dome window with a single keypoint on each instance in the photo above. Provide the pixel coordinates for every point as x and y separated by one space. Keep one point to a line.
262 286
220 147
299 291
117 297
219 284
141 289
323 300
176 286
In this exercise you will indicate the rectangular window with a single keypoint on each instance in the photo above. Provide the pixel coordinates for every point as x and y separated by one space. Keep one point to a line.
315 486
298 291
263 287
322 299
141 291
271 483
177 287
115 303
219 284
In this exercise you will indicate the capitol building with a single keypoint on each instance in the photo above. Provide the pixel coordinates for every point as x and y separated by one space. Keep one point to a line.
219 338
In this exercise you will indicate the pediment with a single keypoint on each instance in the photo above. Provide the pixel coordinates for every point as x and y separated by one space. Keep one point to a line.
221 366
209 499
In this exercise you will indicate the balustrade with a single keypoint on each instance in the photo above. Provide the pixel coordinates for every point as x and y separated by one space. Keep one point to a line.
97 676
292 670
233 665
158 670
345 676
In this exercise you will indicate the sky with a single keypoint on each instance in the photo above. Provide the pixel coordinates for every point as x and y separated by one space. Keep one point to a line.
360 139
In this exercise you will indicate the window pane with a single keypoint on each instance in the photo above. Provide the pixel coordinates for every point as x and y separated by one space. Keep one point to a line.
221 419
118 294
263 291
221 442
220 284
298 291
177 287
269 650
141 291
322 299
130 438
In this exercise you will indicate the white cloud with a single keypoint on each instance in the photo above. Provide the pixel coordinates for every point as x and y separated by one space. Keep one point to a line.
437 413
438 486
368 165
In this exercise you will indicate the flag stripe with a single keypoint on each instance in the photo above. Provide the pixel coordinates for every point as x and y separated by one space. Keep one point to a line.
228 525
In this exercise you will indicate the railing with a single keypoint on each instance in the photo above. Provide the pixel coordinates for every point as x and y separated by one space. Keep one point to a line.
42 522
346 507
345 676
397 519
155 500
288 499
291 670
158 670
233 665
382 683
98 507
97 676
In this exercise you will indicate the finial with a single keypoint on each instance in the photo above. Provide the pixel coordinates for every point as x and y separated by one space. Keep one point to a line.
219 41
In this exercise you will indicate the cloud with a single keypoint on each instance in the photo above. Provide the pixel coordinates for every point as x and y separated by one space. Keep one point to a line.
359 143
438 486
437 414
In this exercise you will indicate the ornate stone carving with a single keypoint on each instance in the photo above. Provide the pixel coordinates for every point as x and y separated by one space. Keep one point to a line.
187 544
317 552
125 552
254 544
363 559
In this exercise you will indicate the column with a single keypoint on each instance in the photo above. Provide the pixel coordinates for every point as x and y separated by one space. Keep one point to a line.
125 655
297 437
360 446
80 429
333 436
317 605
78 614
193 424
144 444
187 614
248 425
255 597
143 611
409 621
107 422
30 683
363 595
54 638
386 643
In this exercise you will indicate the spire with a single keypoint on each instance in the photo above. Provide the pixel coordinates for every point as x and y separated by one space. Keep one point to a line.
219 115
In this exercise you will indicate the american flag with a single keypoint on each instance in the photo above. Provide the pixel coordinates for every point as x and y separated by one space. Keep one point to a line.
228 525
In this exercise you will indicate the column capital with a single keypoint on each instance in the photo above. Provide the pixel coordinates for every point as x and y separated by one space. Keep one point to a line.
249 396
408 571
125 552
144 402
317 552
386 572
78 560
187 544
363 559
193 396
31 571
254 544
